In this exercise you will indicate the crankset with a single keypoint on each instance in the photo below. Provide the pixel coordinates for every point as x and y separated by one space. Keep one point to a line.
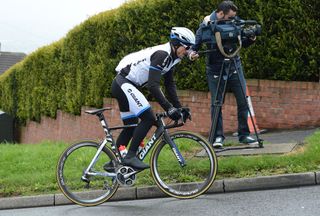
126 176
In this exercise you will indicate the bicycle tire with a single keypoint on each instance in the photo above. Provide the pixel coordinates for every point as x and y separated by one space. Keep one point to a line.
191 180
70 168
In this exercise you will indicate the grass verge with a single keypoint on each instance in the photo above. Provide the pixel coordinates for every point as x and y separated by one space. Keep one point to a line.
30 169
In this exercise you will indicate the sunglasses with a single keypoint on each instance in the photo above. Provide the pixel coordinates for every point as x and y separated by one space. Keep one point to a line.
186 47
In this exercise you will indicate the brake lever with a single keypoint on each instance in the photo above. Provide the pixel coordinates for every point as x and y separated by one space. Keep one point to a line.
182 119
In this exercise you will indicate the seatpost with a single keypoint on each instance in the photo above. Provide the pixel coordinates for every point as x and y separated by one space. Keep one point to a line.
104 124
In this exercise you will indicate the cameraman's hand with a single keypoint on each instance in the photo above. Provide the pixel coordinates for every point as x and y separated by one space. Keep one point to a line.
193 55
174 113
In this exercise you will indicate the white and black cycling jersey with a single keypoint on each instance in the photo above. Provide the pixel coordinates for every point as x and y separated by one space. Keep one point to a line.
136 66
146 67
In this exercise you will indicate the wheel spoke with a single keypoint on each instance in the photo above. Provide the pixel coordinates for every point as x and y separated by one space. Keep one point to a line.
91 188
186 181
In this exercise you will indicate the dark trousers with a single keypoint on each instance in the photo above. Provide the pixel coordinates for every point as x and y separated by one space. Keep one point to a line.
233 83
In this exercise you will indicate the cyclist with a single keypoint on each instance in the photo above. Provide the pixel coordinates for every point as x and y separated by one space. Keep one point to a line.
145 68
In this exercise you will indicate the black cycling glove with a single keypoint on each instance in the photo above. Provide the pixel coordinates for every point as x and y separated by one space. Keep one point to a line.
174 113
185 113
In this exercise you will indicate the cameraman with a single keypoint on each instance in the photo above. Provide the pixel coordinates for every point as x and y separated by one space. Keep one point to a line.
225 11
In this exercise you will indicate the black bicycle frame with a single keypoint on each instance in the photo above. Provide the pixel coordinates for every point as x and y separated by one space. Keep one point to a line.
161 131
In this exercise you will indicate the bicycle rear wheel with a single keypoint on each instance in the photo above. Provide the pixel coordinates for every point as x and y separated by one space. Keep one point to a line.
99 185
188 181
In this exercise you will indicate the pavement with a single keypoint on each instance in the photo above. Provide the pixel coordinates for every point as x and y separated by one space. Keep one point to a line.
275 142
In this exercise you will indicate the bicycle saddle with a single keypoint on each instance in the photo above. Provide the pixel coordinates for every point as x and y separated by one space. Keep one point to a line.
97 111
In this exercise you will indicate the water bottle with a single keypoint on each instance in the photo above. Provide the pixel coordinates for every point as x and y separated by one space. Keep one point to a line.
123 151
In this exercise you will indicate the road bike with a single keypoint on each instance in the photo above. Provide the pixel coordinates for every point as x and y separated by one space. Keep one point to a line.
183 164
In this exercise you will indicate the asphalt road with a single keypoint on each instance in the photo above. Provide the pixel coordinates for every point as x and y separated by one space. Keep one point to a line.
303 201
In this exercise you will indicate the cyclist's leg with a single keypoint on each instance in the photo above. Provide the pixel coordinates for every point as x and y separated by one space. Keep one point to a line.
126 116
132 104
123 139
147 120
127 133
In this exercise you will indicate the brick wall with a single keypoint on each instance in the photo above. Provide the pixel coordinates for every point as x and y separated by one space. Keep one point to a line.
277 105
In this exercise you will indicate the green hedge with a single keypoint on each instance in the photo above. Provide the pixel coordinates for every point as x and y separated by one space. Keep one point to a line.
78 69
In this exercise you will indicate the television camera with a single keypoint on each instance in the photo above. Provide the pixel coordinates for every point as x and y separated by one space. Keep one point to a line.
229 34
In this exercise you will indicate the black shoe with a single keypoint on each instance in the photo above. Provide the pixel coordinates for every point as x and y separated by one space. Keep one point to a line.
218 143
247 140
109 167
134 162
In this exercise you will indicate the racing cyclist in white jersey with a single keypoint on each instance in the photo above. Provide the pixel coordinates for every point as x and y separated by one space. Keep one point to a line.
145 68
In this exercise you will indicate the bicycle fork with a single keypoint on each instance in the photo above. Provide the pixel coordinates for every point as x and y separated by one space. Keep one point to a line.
174 148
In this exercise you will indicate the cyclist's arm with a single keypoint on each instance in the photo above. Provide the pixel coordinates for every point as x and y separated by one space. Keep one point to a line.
171 89
158 61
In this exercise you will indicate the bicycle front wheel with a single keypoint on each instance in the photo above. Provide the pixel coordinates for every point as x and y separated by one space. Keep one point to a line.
98 185
191 180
